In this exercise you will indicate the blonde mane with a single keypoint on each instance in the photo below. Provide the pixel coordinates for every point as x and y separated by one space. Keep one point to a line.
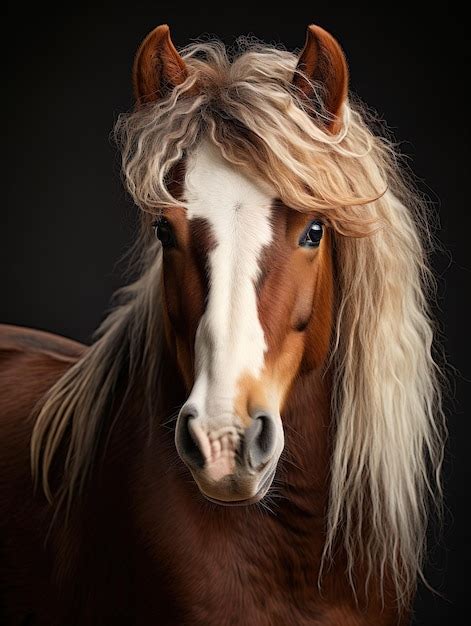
386 405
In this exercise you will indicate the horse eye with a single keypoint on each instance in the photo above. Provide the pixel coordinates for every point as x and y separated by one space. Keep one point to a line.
163 230
312 236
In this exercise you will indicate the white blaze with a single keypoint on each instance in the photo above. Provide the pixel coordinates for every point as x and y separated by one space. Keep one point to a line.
230 339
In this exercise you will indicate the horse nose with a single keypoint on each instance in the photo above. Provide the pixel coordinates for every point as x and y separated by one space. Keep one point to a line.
216 453
190 447
259 441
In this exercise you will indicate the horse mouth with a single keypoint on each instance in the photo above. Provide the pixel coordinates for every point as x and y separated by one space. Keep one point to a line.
261 493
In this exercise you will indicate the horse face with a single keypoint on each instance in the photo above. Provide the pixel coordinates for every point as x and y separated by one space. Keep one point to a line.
248 298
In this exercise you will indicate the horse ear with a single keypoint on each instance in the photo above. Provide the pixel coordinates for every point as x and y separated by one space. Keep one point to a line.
322 61
158 67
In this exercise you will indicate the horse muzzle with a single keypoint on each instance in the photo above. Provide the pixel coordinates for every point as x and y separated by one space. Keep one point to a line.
231 465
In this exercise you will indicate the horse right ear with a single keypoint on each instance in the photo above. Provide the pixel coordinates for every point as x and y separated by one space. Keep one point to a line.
322 61
158 67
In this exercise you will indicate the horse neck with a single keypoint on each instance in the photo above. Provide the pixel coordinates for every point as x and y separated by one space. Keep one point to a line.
305 462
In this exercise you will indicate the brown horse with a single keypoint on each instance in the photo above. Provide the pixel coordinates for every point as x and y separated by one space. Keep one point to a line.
255 433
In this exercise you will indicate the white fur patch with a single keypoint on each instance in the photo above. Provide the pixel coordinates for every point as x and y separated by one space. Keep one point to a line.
230 341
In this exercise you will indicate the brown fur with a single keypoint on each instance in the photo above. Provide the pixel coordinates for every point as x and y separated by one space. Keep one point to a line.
323 62
158 67
185 265
295 299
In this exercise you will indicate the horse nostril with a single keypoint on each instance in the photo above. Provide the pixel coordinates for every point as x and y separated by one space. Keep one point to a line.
186 443
260 440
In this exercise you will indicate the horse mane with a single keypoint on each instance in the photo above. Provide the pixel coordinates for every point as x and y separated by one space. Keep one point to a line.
386 394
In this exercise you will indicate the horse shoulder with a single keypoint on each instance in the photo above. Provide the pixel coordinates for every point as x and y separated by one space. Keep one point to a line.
31 361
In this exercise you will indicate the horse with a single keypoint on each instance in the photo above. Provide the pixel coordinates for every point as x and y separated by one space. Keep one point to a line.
255 435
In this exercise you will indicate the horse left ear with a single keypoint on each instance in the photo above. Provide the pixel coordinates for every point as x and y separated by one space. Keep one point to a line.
158 67
322 61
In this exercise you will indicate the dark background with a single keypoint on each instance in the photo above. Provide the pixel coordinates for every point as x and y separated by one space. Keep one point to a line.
66 219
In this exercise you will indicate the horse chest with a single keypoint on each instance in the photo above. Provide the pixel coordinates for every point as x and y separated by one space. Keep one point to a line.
257 574
215 566
255 578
